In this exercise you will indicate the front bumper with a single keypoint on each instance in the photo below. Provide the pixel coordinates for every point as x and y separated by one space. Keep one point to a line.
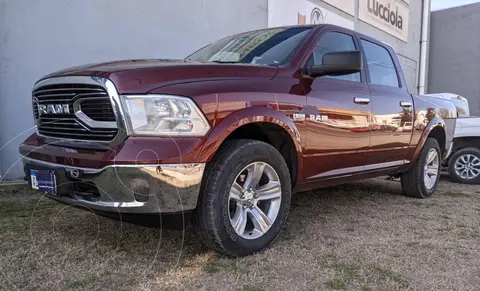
135 189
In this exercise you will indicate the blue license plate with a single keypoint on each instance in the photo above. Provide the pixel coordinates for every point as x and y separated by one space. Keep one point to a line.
44 181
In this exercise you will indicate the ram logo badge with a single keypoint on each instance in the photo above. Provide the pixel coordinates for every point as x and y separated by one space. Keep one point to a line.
54 109
311 117
314 117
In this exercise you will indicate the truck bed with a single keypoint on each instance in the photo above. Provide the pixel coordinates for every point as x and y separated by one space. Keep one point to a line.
467 127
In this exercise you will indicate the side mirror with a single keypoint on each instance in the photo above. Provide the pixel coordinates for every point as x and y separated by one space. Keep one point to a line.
337 64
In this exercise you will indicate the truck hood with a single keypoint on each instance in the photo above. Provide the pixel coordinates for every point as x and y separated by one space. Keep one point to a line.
143 76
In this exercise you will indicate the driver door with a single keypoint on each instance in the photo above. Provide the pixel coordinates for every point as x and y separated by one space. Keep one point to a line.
338 116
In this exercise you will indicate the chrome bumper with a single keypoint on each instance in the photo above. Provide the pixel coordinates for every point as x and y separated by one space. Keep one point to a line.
136 189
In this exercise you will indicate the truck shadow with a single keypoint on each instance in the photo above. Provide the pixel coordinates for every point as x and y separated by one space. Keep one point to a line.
348 198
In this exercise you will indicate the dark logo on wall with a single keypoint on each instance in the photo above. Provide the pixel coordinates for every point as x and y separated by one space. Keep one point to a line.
316 17
385 13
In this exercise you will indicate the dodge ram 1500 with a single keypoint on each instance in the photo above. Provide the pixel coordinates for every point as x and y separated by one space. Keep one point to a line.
230 132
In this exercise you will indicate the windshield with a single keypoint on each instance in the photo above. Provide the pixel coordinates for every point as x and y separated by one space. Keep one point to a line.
267 47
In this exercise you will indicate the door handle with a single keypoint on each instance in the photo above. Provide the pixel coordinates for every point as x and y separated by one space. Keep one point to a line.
406 104
361 100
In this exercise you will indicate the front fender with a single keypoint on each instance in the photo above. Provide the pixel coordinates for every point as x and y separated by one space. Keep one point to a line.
236 119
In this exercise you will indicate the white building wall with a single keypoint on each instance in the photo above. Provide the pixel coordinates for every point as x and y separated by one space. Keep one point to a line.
286 12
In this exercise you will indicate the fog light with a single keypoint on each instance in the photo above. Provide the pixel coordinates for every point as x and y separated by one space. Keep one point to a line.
141 189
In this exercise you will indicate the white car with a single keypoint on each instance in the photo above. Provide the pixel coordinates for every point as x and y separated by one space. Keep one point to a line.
408 126
464 160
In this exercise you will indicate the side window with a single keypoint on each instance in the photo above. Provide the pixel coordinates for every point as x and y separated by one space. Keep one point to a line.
380 65
334 42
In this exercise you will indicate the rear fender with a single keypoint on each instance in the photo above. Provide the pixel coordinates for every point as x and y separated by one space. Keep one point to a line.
434 123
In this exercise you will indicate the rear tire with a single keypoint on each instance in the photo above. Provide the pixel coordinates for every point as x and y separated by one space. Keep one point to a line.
421 180
245 198
464 166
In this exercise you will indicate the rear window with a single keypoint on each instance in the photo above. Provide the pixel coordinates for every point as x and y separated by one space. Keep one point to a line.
380 65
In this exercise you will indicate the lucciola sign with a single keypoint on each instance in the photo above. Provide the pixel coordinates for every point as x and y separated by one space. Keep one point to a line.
389 15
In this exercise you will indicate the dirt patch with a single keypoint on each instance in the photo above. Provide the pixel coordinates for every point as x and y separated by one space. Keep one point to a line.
360 236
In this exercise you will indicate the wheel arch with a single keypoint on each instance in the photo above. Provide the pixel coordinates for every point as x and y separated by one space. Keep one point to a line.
466 142
438 132
436 129
264 124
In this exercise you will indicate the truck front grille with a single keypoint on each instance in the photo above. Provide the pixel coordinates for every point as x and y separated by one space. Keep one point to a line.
99 109
62 122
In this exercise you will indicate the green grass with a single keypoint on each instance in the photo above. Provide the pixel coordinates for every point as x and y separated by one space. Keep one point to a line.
417 202
348 271
455 194
212 267
14 190
389 274
73 250
251 288
217 265
16 215
345 273
336 284
78 284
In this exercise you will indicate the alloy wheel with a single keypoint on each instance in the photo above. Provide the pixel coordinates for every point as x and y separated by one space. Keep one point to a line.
254 200
467 166
432 168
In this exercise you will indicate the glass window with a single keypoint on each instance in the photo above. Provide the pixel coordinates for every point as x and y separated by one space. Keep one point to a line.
334 42
380 65
272 47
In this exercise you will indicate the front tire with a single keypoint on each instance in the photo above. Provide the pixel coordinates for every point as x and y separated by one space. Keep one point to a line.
464 166
245 198
421 180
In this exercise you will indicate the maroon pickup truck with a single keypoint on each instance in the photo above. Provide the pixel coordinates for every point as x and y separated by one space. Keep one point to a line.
229 133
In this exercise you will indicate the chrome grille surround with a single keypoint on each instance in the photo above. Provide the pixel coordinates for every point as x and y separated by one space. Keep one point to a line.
101 120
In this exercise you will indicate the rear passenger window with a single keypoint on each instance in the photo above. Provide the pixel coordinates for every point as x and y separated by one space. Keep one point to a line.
380 65
334 42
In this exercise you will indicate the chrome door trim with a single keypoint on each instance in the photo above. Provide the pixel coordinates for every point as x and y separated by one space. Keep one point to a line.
359 169
386 165
344 171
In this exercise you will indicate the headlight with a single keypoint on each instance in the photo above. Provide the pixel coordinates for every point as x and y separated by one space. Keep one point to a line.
164 115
